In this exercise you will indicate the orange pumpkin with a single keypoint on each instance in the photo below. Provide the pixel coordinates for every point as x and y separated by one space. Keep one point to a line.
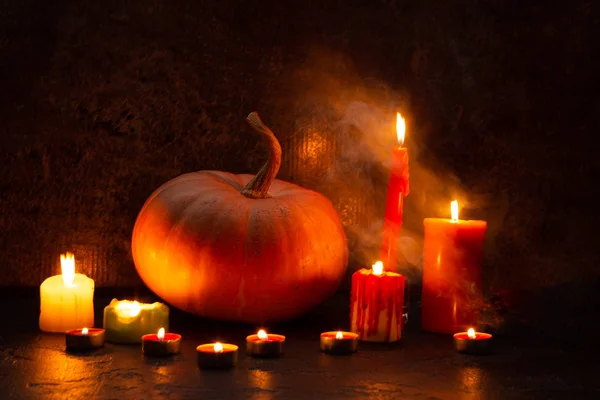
240 247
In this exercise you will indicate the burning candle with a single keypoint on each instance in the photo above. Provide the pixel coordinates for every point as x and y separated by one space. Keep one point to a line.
339 342
161 344
86 339
398 188
217 356
264 345
66 300
127 321
377 299
453 253
472 342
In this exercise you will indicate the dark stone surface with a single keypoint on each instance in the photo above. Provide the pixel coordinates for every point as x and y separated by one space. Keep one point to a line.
102 102
35 366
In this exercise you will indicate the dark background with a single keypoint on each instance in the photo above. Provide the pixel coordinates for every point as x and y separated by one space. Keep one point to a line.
104 101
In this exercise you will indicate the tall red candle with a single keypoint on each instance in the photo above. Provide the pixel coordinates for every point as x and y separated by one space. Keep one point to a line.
376 304
452 259
398 188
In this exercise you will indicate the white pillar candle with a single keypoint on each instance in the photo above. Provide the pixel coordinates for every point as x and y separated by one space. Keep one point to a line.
66 300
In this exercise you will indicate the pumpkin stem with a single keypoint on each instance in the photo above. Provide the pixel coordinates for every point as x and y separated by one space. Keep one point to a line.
258 187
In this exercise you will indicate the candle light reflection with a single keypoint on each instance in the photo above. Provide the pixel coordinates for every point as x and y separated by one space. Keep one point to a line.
262 380
50 365
162 375
472 382
313 152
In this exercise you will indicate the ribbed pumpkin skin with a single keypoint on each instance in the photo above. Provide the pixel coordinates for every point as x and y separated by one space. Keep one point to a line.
207 249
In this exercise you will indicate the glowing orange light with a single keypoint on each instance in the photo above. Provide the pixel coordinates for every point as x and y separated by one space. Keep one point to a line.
400 129
339 335
67 267
218 347
471 333
454 210
161 334
84 331
378 268
262 335
128 308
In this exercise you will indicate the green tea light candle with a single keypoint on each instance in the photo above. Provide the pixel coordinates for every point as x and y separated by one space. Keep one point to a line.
127 321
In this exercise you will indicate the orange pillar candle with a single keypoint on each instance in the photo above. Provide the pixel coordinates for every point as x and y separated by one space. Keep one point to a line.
398 188
453 254
377 300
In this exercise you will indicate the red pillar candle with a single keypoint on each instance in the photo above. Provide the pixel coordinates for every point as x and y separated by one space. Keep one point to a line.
452 258
376 304
398 188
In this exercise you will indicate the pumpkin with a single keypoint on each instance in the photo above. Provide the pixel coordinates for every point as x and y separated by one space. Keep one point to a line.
240 247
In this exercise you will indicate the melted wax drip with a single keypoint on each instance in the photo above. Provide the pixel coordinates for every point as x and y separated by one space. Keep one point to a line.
376 294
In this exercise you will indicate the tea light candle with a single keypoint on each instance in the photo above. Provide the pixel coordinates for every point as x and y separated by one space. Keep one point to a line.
86 339
263 345
66 300
127 321
161 344
339 342
217 356
472 342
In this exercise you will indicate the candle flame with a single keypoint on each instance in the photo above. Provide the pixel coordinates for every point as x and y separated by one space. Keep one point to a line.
67 267
400 129
161 334
128 308
339 335
454 210
471 333
378 268
218 347
84 331
262 335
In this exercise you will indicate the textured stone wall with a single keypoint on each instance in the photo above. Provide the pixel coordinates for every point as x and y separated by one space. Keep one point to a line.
102 102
